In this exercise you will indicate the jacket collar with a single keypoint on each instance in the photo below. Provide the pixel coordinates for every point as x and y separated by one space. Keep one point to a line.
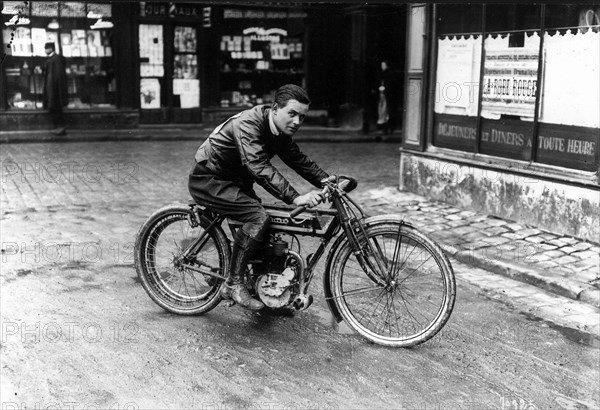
272 125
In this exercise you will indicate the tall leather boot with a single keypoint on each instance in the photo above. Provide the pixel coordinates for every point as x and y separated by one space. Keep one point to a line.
235 286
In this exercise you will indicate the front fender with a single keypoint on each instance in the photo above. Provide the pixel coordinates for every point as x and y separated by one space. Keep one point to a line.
335 248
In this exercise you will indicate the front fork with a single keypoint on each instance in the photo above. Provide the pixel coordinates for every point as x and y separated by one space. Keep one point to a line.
365 255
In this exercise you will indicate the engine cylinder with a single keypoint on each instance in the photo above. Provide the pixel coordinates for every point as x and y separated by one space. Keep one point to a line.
276 247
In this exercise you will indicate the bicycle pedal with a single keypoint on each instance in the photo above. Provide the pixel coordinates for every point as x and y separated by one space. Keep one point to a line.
229 303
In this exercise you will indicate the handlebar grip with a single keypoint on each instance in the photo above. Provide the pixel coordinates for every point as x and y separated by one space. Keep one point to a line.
297 211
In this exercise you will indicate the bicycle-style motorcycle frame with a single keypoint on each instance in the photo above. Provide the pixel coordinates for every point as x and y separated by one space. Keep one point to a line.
362 239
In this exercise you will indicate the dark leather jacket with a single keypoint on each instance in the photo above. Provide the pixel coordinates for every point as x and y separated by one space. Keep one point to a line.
241 148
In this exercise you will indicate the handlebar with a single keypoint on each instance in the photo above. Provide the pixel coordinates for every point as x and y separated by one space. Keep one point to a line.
338 183
303 208
297 211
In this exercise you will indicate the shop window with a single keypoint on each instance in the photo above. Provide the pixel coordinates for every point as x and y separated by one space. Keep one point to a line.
186 85
569 116
152 68
509 81
82 34
260 51
457 76
518 58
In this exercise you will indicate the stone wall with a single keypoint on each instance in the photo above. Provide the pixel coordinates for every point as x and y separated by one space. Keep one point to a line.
554 206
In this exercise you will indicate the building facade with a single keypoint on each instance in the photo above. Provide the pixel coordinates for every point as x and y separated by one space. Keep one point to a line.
132 63
503 111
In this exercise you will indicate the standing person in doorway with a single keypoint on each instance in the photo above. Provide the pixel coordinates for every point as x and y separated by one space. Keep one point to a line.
55 88
386 102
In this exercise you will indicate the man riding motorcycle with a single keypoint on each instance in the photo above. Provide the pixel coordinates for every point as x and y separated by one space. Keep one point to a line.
237 154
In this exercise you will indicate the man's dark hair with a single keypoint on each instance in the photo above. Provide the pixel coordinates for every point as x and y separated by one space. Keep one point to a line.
291 92
50 45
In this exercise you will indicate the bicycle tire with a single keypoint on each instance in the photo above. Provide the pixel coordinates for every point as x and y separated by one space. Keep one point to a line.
405 276
169 228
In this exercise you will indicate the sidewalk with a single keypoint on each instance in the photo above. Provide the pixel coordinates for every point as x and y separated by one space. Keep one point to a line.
307 133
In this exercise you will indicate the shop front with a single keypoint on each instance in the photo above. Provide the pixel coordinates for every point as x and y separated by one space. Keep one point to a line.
161 63
170 38
201 62
256 50
96 66
503 111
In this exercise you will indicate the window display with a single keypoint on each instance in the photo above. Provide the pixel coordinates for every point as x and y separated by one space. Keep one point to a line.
186 86
152 69
82 34
259 53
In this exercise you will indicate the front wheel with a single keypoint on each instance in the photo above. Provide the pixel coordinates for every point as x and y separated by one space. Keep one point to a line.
405 292
179 284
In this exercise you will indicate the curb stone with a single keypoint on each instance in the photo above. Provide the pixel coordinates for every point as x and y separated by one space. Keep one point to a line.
581 320
565 287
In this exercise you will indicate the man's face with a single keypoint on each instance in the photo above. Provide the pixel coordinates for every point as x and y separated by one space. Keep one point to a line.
288 118
49 51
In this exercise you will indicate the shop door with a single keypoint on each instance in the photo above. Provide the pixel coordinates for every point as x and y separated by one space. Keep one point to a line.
169 77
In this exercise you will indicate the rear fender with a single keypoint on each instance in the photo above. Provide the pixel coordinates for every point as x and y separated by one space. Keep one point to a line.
337 246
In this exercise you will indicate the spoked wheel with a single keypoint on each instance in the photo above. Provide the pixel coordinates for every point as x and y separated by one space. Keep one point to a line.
407 293
182 286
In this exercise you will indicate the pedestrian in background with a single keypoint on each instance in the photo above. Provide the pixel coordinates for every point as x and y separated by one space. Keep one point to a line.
55 88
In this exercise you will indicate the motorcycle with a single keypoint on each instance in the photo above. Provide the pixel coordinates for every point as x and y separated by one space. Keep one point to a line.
390 282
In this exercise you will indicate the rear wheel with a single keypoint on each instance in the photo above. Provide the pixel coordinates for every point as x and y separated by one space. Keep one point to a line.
406 293
179 285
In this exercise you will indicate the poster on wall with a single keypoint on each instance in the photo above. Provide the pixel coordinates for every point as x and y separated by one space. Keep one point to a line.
188 91
149 93
510 82
457 76
151 50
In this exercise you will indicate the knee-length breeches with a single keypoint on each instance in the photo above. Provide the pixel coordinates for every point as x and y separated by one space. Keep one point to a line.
229 199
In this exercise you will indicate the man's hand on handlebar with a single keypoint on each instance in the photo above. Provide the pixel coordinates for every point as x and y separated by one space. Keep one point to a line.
331 178
309 200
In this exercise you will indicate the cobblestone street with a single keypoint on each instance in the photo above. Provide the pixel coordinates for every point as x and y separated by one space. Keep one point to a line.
70 213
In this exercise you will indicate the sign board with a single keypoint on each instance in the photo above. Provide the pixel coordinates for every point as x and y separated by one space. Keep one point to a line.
507 138
455 131
568 146
44 8
173 10
263 14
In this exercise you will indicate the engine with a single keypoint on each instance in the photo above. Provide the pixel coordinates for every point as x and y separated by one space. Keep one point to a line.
277 282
